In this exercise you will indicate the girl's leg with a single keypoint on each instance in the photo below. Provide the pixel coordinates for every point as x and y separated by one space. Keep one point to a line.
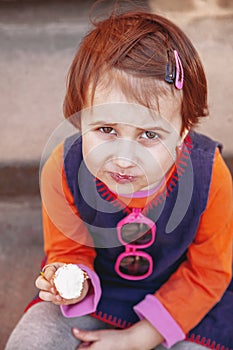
44 327
183 345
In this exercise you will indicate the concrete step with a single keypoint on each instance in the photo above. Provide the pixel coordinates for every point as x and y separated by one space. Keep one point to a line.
21 252
38 40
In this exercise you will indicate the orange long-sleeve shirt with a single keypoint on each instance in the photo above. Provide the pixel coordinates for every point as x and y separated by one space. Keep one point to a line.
198 283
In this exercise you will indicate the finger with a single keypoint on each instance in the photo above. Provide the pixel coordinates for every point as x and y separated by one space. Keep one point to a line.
55 298
42 283
49 272
85 336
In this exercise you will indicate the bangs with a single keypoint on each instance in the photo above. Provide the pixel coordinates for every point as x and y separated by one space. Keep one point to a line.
143 91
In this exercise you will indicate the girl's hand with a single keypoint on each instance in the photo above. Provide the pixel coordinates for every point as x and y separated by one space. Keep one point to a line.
47 288
142 335
102 339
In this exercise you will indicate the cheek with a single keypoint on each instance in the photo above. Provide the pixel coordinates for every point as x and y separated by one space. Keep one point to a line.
162 159
94 153
88 147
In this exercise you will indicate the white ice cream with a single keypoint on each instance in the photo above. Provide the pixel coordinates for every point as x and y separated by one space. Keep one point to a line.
69 281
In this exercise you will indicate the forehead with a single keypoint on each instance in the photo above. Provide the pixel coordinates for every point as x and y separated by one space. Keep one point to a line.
110 105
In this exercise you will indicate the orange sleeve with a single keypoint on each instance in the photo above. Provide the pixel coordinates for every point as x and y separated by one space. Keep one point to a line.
66 238
201 280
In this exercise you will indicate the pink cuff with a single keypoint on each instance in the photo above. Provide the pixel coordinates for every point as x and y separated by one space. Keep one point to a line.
90 302
151 309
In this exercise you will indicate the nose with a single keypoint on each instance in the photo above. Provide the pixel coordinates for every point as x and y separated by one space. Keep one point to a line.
123 163
125 154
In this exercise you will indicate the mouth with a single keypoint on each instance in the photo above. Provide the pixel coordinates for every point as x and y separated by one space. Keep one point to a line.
122 178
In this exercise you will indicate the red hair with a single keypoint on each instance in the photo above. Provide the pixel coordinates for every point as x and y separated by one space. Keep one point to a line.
133 47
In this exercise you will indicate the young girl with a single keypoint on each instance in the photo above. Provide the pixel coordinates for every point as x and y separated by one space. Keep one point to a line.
137 199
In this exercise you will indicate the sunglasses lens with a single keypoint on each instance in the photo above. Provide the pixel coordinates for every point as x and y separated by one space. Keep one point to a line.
136 233
134 265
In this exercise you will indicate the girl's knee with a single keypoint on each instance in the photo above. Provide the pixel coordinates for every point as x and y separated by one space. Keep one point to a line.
42 327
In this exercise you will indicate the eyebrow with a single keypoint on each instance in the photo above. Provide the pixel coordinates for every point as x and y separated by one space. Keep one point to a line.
154 127
102 122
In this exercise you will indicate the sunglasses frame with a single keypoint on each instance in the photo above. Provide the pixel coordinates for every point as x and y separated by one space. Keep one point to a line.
131 249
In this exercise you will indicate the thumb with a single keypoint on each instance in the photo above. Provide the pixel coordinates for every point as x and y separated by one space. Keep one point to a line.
85 336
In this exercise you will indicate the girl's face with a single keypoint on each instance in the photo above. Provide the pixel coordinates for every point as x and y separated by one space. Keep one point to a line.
127 146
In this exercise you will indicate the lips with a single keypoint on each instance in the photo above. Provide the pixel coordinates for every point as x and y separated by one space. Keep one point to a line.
122 178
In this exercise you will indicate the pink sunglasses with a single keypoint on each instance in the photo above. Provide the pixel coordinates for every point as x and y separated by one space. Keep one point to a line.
135 231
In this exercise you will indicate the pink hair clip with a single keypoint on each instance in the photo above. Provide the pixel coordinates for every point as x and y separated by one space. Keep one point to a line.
175 73
179 81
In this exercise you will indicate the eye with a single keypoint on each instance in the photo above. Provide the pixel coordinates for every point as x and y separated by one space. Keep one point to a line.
150 135
107 130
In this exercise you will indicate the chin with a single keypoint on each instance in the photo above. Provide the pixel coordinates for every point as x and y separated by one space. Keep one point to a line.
124 189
